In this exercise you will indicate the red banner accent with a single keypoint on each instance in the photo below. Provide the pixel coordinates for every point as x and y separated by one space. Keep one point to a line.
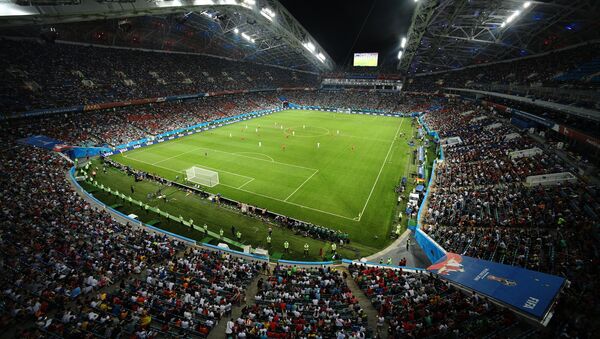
579 136
106 105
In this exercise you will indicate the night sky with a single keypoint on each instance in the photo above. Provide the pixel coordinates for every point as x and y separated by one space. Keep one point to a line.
335 25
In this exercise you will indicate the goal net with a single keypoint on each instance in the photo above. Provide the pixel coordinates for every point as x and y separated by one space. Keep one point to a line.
202 176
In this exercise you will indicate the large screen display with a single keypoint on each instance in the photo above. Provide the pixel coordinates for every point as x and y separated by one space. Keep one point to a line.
365 59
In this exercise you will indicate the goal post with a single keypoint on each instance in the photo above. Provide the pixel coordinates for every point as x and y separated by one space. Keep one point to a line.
202 176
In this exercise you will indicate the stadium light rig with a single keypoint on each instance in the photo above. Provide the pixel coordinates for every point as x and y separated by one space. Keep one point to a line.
515 14
248 38
313 50
267 13
403 42
248 3
309 46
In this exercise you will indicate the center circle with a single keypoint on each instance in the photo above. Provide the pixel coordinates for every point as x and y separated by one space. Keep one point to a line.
308 132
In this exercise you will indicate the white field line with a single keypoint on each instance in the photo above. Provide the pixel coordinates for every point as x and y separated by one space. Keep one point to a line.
274 162
220 170
246 183
241 153
302 184
295 204
380 170
281 163
251 192
236 154
183 171
176 156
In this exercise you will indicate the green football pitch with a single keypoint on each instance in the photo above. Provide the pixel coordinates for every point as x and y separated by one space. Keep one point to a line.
331 169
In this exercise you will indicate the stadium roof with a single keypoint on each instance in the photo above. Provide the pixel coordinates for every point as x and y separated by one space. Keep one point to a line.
261 31
450 34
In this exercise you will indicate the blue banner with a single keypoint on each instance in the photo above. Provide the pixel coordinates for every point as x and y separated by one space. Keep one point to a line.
432 249
82 152
45 142
37 112
529 292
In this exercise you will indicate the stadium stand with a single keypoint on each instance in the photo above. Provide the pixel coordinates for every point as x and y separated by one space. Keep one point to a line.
570 66
297 302
122 125
73 270
480 205
568 76
93 75
537 228
420 305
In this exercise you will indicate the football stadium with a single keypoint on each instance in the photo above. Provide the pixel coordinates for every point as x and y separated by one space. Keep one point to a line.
290 169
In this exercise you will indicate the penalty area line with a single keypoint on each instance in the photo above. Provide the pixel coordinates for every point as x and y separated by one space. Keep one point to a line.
302 184
246 183
289 202
254 193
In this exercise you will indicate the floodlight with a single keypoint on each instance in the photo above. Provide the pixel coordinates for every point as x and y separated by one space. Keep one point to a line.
247 37
267 13
309 46
403 43
513 16
527 4
399 55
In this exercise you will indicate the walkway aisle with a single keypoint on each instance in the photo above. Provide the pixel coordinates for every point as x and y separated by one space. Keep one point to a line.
415 257
366 305
219 330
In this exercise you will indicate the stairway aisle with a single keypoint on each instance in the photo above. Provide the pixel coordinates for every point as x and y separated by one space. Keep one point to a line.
219 330
366 305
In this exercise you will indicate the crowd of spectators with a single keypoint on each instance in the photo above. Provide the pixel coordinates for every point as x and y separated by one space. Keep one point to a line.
70 270
119 126
38 75
419 305
568 77
481 205
381 101
544 70
55 246
302 303
114 127
187 296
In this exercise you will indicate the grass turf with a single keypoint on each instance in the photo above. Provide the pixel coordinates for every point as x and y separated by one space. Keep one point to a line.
346 183
202 211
